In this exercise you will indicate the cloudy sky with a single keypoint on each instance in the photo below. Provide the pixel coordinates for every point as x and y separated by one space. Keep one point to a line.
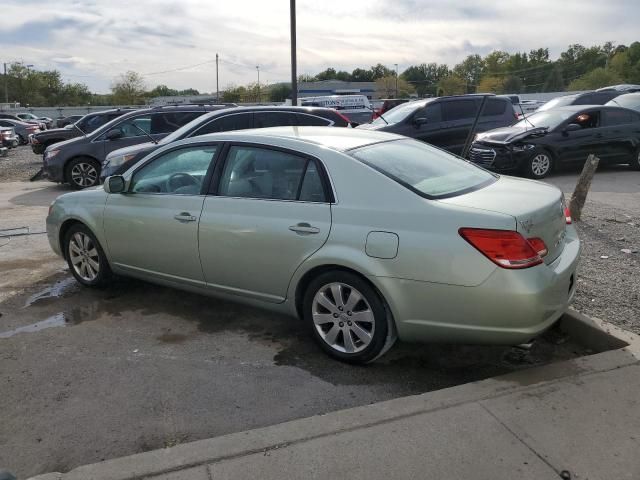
174 42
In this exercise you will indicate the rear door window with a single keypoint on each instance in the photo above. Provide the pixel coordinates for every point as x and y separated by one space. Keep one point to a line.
459 110
170 121
311 120
238 121
494 107
274 119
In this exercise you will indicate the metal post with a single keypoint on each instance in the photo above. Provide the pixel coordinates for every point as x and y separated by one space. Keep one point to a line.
258 69
294 75
396 80
217 85
472 132
6 85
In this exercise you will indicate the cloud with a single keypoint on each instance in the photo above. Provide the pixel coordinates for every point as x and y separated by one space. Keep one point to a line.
94 41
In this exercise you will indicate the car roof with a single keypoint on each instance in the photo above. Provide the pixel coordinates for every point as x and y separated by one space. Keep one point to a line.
340 139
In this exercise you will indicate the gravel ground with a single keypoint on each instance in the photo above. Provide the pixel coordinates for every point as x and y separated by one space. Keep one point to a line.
20 165
607 287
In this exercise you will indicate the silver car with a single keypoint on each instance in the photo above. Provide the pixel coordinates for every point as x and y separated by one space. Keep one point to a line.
366 236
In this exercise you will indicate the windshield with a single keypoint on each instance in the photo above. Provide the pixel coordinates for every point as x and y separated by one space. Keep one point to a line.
183 130
423 169
631 100
399 113
557 102
550 119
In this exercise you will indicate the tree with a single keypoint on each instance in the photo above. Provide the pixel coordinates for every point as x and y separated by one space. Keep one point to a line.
512 84
233 93
470 69
328 74
452 85
386 86
555 81
379 71
305 77
361 75
491 84
595 79
128 89
279 92
425 77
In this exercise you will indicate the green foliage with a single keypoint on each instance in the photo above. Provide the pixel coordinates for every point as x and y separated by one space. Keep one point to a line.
279 92
452 85
596 78
425 77
128 89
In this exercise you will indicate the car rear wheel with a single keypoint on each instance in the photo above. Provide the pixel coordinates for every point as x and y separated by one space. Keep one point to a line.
635 160
85 257
82 173
347 317
539 165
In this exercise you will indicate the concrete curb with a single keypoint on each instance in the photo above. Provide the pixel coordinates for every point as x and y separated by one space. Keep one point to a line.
621 349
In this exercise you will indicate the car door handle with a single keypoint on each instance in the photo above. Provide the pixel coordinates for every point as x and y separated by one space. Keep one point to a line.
185 217
304 228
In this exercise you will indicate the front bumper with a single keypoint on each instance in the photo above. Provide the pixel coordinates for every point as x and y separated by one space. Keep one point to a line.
511 307
52 171
499 158
11 142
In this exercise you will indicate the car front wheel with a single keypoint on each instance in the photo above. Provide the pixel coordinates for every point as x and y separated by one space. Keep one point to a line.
82 173
539 165
347 317
85 257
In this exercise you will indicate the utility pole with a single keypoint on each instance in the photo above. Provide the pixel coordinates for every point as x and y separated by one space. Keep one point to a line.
217 84
258 70
396 79
294 75
6 85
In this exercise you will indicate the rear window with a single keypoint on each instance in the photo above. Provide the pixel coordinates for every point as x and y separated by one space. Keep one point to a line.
493 107
423 169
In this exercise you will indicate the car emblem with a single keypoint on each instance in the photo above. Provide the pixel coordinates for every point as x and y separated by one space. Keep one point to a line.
526 224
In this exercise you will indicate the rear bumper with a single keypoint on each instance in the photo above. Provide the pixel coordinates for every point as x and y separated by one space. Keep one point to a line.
509 308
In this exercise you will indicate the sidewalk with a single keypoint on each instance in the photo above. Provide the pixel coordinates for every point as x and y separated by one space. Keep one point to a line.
578 419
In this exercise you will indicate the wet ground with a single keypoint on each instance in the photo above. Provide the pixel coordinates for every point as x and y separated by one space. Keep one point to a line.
87 375
94 374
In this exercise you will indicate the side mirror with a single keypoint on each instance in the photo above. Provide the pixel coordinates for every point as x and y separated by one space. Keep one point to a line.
419 121
113 134
114 184
572 127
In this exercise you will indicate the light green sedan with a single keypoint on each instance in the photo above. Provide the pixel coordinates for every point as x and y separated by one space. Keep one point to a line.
365 236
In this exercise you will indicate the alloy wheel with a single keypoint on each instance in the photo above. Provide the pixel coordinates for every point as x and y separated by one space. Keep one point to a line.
84 256
540 164
84 174
343 318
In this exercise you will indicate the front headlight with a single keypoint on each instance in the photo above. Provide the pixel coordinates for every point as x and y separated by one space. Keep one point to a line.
522 148
119 160
51 153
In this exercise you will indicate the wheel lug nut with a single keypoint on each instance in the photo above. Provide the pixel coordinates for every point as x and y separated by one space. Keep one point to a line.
340 308
335 315
349 313
349 323
341 324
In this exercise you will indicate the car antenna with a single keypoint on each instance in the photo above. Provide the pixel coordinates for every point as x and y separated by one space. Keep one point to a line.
145 133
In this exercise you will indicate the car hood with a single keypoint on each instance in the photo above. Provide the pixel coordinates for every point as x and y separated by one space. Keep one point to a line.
64 143
537 207
510 134
133 149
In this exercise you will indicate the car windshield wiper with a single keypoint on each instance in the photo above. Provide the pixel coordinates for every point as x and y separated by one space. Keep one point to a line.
145 133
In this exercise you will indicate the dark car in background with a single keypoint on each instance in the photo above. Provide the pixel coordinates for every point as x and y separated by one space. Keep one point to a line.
445 121
587 98
22 129
78 161
240 118
85 125
565 135
64 121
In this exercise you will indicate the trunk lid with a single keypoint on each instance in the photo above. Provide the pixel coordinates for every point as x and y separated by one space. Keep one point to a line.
537 207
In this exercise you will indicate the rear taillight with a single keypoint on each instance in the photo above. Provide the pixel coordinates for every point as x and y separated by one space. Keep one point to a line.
538 245
505 248
567 215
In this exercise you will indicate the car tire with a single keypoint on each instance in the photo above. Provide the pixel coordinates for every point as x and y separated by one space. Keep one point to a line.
539 164
82 172
635 160
353 328
85 257
21 140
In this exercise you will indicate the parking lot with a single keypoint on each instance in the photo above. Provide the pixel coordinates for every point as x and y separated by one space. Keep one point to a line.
95 374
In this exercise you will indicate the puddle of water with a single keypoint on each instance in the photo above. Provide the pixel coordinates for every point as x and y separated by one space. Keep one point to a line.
57 320
54 291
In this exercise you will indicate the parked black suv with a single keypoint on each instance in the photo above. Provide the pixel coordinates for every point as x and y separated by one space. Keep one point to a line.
87 124
78 161
564 135
445 121
239 118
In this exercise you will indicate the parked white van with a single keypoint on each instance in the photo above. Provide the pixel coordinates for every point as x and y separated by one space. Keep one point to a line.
355 107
